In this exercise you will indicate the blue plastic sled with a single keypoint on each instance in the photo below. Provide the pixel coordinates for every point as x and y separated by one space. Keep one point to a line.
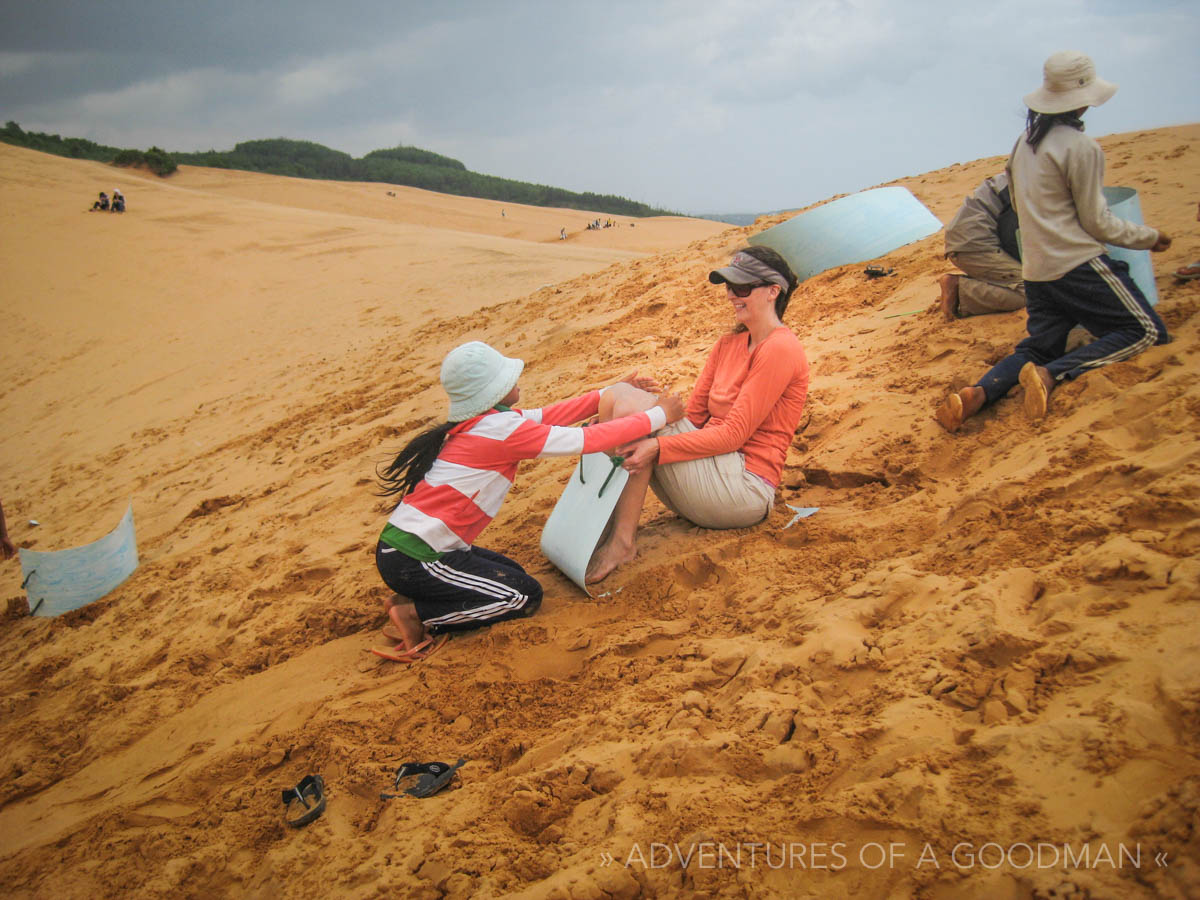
577 522
60 581
851 229
1124 204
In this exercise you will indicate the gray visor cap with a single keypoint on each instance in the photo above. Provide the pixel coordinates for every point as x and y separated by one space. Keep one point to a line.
745 269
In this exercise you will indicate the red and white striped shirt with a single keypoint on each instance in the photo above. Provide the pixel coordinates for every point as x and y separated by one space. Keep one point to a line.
464 488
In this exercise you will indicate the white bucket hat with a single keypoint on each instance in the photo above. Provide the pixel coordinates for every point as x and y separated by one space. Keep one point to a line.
477 378
1069 82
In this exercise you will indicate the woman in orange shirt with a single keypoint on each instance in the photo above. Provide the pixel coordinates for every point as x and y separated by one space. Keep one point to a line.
720 464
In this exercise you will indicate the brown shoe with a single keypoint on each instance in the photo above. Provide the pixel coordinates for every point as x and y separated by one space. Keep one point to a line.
950 413
1037 382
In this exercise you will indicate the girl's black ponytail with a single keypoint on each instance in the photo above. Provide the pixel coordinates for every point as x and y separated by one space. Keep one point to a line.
413 462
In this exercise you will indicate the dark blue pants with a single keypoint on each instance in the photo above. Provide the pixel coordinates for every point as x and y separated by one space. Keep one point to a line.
464 589
1100 296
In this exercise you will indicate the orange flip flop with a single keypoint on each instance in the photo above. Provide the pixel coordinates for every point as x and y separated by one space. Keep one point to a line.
414 654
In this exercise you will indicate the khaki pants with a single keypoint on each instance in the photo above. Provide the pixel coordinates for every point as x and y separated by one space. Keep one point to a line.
713 492
993 283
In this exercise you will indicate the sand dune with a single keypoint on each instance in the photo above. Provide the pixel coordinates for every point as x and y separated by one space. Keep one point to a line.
981 639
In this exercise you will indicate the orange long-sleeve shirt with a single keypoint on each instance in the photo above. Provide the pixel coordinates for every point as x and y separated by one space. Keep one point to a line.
747 401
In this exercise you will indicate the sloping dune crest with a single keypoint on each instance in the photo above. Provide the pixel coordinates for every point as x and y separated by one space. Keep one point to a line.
981 643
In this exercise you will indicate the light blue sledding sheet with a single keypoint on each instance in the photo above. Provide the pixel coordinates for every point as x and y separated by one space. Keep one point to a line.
578 519
1124 204
59 581
851 229
801 512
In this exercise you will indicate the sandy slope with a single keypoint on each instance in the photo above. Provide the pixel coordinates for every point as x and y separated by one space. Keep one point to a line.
982 638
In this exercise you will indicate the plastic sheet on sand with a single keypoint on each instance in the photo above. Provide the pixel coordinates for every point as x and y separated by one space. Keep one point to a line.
1124 204
851 229
60 581
577 522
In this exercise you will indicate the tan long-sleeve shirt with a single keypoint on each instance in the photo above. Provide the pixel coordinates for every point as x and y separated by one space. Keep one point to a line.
1059 198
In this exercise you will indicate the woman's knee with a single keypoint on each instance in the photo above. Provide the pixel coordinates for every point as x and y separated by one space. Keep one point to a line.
623 399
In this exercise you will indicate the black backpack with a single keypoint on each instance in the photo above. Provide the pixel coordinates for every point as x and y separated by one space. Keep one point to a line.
1007 225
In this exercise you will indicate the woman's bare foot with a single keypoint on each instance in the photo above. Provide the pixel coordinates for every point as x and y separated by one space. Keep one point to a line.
949 301
404 626
1038 383
959 407
607 558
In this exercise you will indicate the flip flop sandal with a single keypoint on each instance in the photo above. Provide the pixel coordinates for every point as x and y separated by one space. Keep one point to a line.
877 272
422 779
391 633
310 793
416 654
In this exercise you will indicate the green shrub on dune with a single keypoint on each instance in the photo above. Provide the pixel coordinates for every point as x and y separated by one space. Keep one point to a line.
416 155
156 159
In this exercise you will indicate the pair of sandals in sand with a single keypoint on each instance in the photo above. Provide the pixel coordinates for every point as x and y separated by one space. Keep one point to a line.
402 654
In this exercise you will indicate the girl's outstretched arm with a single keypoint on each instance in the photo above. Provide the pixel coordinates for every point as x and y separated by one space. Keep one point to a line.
520 438
568 412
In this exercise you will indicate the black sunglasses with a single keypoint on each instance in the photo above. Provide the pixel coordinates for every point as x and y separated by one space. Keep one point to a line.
743 290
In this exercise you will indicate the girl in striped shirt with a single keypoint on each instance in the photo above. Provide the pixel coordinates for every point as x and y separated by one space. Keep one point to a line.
453 478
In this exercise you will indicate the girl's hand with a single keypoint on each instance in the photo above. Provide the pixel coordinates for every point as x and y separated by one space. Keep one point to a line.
672 405
643 456
1163 242
642 382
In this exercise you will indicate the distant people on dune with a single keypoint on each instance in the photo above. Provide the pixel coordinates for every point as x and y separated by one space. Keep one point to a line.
562 234
1055 172
719 466
452 479
981 240
104 204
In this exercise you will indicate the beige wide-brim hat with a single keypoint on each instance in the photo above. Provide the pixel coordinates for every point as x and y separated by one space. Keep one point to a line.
1069 81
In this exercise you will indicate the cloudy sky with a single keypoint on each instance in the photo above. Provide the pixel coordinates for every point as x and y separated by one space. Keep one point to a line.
698 105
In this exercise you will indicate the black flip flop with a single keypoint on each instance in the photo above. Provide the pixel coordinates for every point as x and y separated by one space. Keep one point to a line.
310 788
422 779
877 272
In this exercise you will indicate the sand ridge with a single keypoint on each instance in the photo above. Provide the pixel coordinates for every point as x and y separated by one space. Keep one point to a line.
981 638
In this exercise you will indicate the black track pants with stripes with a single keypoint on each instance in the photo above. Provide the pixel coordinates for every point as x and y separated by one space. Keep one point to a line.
464 589
1100 296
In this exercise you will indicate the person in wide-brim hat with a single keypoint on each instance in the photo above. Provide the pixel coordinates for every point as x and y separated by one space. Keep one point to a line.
1056 182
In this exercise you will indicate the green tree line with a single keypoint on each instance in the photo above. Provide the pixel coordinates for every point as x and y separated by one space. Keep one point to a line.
409 166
